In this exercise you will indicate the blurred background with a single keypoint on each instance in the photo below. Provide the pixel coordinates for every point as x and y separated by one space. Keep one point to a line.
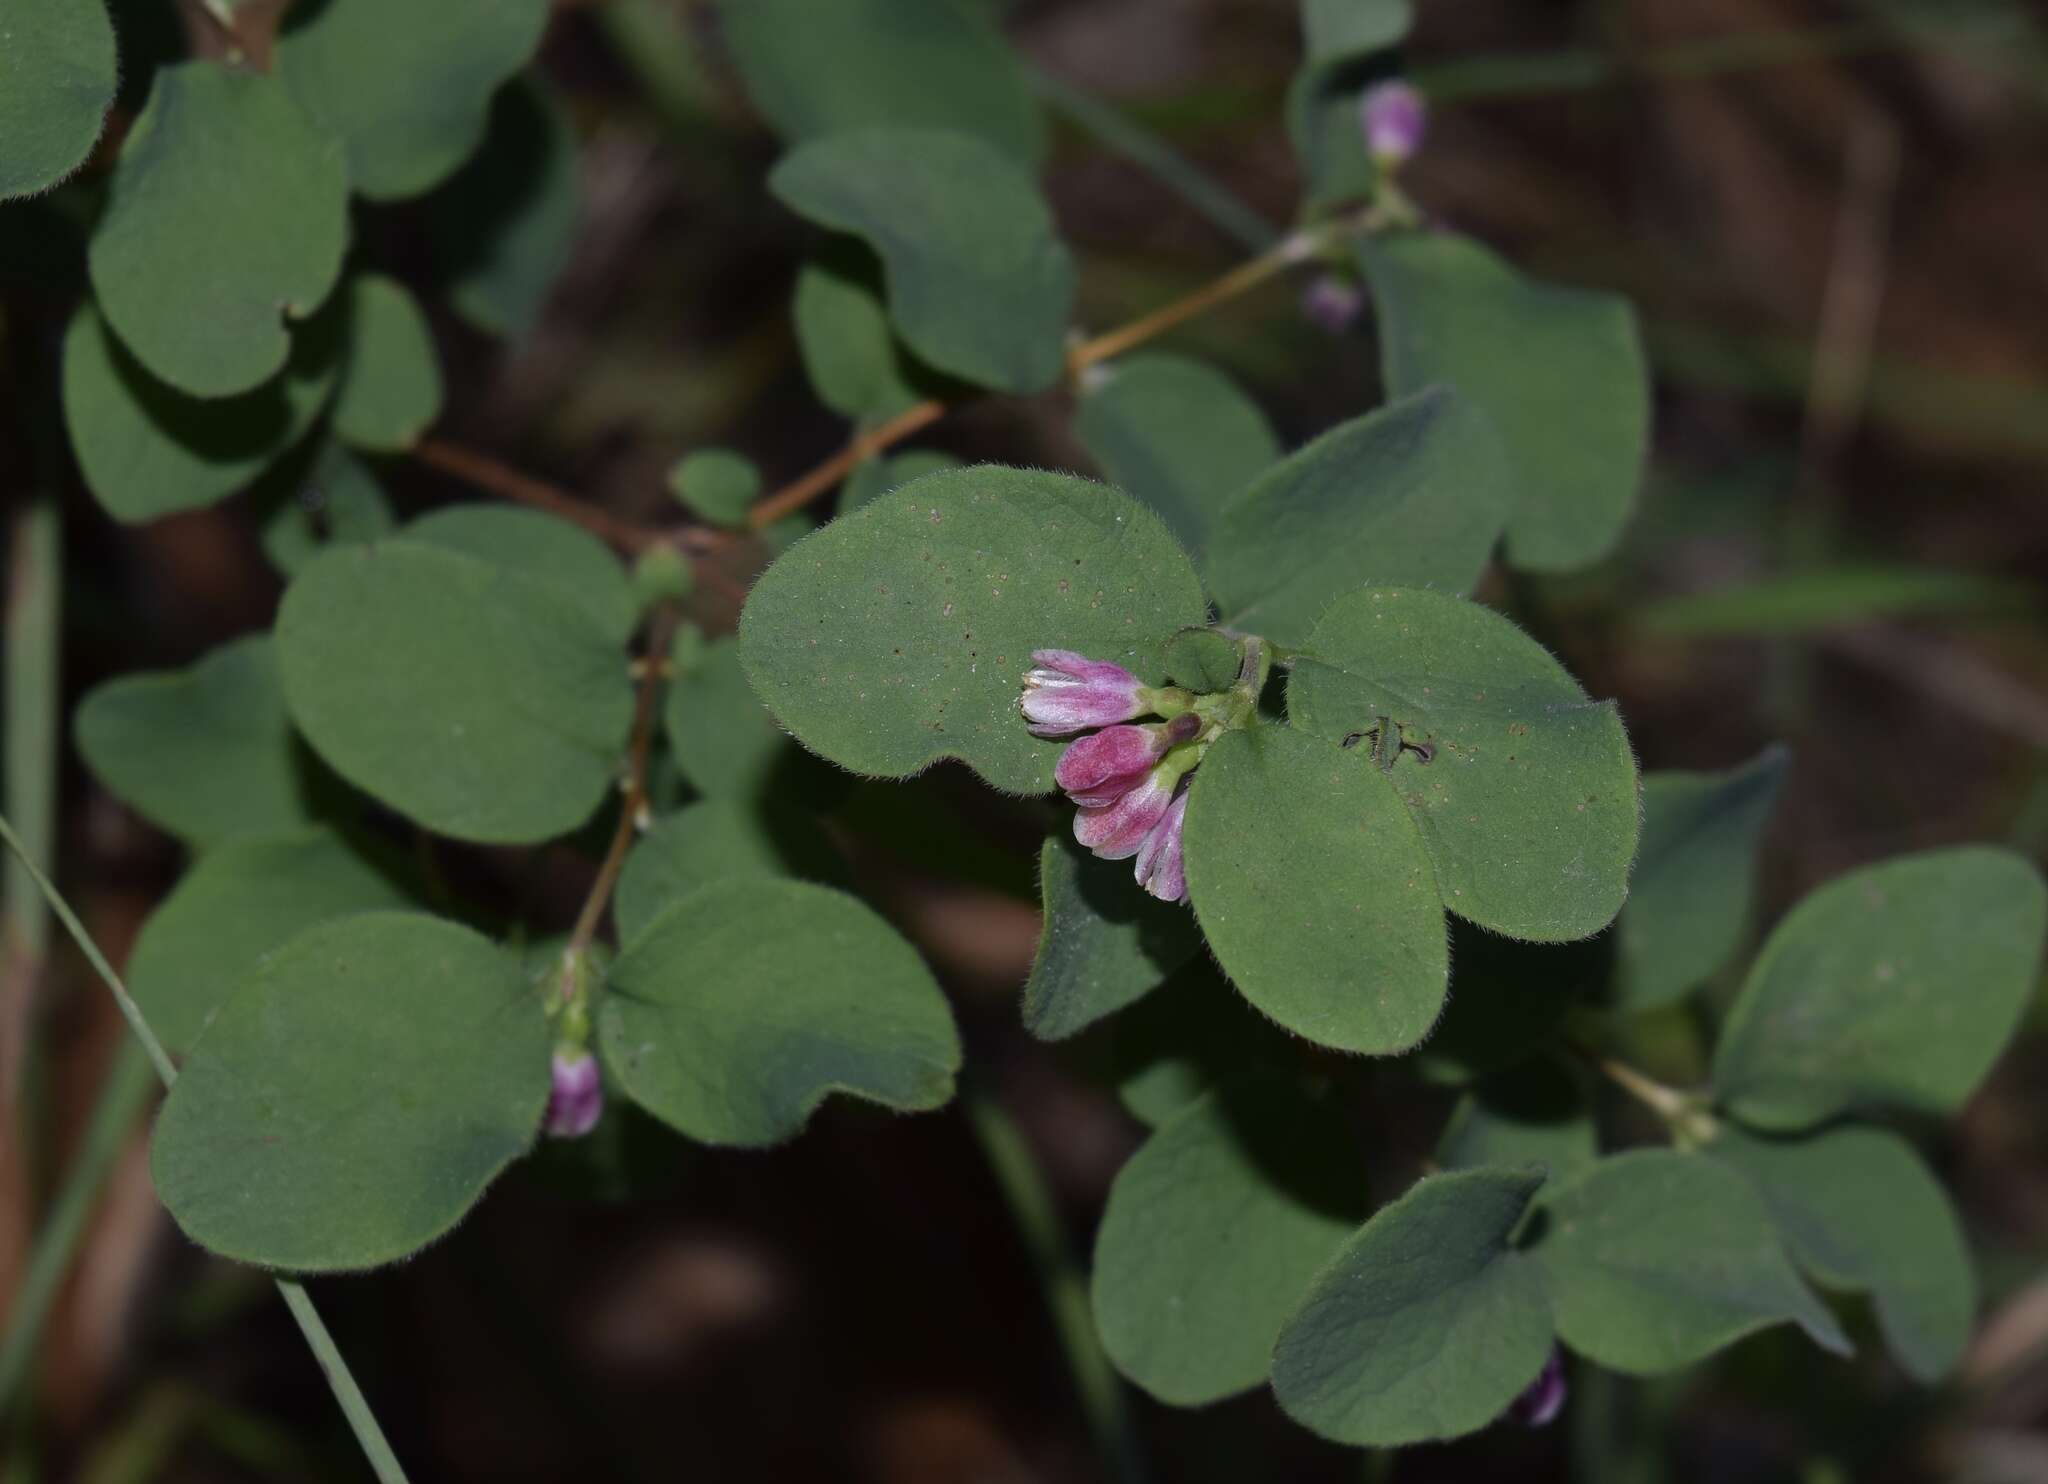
1832 217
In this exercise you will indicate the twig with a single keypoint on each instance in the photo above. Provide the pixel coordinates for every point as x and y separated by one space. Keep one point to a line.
489 474
801 491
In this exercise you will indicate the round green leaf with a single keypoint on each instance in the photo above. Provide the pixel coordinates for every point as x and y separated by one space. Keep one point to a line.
542 548
1413 494
979 283
1656 1259
472 699
856 364
1532 1114
717 483
206 753
1179 436
711 841
1427 1323
146 449
405 87
226 207
57 76
354 1095
328 499
852 64
1313 888
1695 875
899 633
1560 372
391 389
1212 1231
1897 984
238 904
1104 942
722 738
744 1005
1526 792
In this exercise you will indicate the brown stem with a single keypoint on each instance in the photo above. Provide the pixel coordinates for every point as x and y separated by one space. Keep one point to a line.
801 491
1244 276
487 473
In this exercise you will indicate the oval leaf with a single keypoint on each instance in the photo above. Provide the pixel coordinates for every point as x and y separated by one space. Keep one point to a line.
324 497
1104 942
855 363
391 390
899 634
353 1096
57 77
742 1007
723 739
542 548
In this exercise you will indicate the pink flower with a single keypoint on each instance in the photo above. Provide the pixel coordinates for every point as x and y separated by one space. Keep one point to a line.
1394 118
577 1097
1159 866
1333 302
1543 1398
1069 692
1103 766
1117 831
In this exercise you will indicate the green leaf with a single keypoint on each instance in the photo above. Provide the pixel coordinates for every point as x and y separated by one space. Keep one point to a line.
1898 984
206 753
239 904
1510 1000
1212 1231
503 226
146 449
1426 1325
1532 1114
391 390
854 361
1412 495
226 207
1695 876
472 699
327 499
1806 602
1656 1259
899 634
1860 1211
1104 942
740 1008
1340 38
1559 370
1313 888
353 1096
855 64
405 87
711 841
723 739
1526 797
1179 435
1194 1034
876 477
579 568
718 484
979 284
57 76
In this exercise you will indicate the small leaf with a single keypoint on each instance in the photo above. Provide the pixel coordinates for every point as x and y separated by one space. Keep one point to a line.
543 548
979 284
820 69
503 226
899 634
740 1008
226 207
391 390
238 905
1695 876
1559 370
711 841
57 76
405 87
877 477
353 1096
1340 38
1313 888
1656 1259
718 484
723 739
1104 942
146 449
325 497
206 753
1213 1230
1412 495
854 361
472 699
1177 434
1532 1114
1898 984
1426 1325
1526 792
1860 1211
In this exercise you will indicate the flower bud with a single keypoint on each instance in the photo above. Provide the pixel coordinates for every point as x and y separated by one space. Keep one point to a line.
1069 692
1116 831
1159 867
1332 302
577 1097
1543 1398
1394 118
1103 766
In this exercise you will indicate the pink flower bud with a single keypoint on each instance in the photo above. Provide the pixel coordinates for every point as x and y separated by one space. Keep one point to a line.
1069 692
1394 118
1116 831
577 1097
1103 766
1332 302
1159 866
1543 1398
